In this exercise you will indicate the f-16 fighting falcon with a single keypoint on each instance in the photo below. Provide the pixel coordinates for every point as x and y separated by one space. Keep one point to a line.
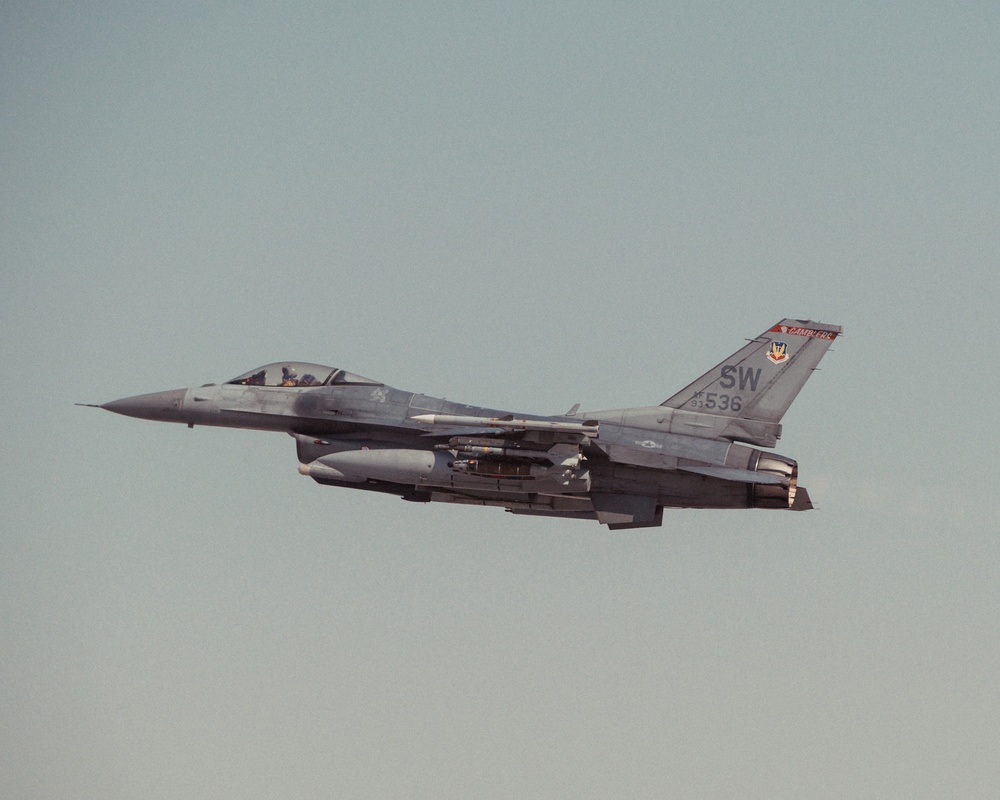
619 467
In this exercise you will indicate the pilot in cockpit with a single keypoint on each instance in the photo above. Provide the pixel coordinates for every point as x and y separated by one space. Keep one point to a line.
288 377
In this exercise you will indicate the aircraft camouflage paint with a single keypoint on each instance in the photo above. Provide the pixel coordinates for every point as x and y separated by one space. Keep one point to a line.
620 467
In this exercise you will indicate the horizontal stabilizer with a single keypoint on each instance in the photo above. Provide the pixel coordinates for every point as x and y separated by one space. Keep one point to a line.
739 475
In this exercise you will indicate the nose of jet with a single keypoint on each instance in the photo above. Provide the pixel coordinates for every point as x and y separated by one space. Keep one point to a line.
161 406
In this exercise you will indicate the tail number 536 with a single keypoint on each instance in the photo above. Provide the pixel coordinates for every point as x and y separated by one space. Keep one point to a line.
717 400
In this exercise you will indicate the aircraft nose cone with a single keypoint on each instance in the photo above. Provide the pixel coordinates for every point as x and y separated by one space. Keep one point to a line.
162 406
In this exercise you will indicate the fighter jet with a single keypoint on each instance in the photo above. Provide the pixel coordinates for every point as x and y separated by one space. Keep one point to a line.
620 467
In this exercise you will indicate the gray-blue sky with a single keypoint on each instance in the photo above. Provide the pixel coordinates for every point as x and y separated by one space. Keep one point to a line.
525 206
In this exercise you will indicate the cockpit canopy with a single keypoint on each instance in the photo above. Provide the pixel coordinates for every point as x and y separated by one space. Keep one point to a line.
298 373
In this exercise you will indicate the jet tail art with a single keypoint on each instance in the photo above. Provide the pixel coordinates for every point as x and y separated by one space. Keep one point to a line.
620 467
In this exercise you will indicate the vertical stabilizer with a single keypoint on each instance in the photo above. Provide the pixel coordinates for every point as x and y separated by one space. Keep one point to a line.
760 380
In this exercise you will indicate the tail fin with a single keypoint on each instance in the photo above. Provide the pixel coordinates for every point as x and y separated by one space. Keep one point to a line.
761 380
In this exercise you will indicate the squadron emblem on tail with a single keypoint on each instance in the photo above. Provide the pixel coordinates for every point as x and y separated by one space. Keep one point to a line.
778 353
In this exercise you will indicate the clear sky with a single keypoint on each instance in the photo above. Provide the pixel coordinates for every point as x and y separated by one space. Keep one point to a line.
526 206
